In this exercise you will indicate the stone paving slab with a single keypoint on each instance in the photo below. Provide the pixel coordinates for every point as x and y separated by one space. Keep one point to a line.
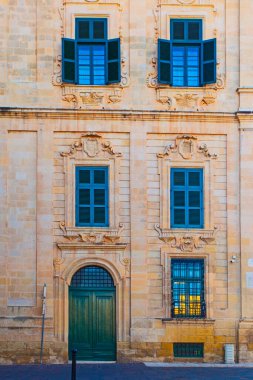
122 372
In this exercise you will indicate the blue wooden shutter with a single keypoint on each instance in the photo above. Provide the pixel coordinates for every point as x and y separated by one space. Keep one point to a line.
92 196
209 61
100 197
113 72
178 198
186 199
68 60
164 61
83 196
194 200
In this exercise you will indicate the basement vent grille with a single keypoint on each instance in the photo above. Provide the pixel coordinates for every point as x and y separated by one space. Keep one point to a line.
188 350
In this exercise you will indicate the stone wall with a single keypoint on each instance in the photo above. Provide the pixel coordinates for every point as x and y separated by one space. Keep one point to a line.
136 128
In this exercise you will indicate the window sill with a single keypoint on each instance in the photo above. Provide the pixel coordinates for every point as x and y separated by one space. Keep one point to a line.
87 96
188 321
92 235
185 98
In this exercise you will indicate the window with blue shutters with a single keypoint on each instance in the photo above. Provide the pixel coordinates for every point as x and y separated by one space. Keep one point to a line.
92 197
90 58
186 198
186 60
187 288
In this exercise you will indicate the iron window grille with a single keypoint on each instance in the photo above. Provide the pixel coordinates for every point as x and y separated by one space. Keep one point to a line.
187 289
188 350
92 277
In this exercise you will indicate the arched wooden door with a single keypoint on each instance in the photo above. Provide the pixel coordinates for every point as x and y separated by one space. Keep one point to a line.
92 326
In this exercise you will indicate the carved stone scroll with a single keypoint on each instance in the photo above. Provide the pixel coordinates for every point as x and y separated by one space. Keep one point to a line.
186 147
95 237
91 144
186 241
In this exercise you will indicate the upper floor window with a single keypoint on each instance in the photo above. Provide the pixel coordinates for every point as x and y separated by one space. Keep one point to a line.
92 196
186 199
187 288
186 60
90 58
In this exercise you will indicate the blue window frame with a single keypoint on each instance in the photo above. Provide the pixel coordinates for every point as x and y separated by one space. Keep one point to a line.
92 196
90 58
187 288
186 198
186 60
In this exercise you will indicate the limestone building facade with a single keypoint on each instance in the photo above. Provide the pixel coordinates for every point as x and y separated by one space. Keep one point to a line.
126 179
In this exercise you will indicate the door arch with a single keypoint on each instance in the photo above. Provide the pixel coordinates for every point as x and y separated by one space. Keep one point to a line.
92 316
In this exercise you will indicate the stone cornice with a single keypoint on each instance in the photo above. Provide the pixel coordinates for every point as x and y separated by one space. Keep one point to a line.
245 90
133 115
245 115
80 246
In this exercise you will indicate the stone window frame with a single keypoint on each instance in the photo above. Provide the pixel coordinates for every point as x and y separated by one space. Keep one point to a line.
100 153
166 257
185 153
84 96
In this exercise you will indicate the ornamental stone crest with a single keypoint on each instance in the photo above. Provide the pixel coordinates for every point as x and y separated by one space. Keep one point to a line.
92 144
186 147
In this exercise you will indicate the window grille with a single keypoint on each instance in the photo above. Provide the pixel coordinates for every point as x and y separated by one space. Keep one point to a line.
188 350
187 288
92 277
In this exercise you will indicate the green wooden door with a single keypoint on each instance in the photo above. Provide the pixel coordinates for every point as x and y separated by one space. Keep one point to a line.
92 323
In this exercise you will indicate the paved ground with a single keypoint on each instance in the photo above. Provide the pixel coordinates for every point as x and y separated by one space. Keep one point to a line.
123 372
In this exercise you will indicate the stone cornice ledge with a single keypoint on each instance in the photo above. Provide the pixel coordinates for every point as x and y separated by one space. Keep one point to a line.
245 115
80 246
245 90
138 115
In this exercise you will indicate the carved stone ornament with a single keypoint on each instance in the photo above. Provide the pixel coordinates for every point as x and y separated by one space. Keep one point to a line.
91 144
58 261
115 2
94 237
125 261
184 2
187 241
186 146
186 99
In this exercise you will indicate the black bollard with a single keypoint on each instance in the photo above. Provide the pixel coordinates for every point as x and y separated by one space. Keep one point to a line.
73 372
